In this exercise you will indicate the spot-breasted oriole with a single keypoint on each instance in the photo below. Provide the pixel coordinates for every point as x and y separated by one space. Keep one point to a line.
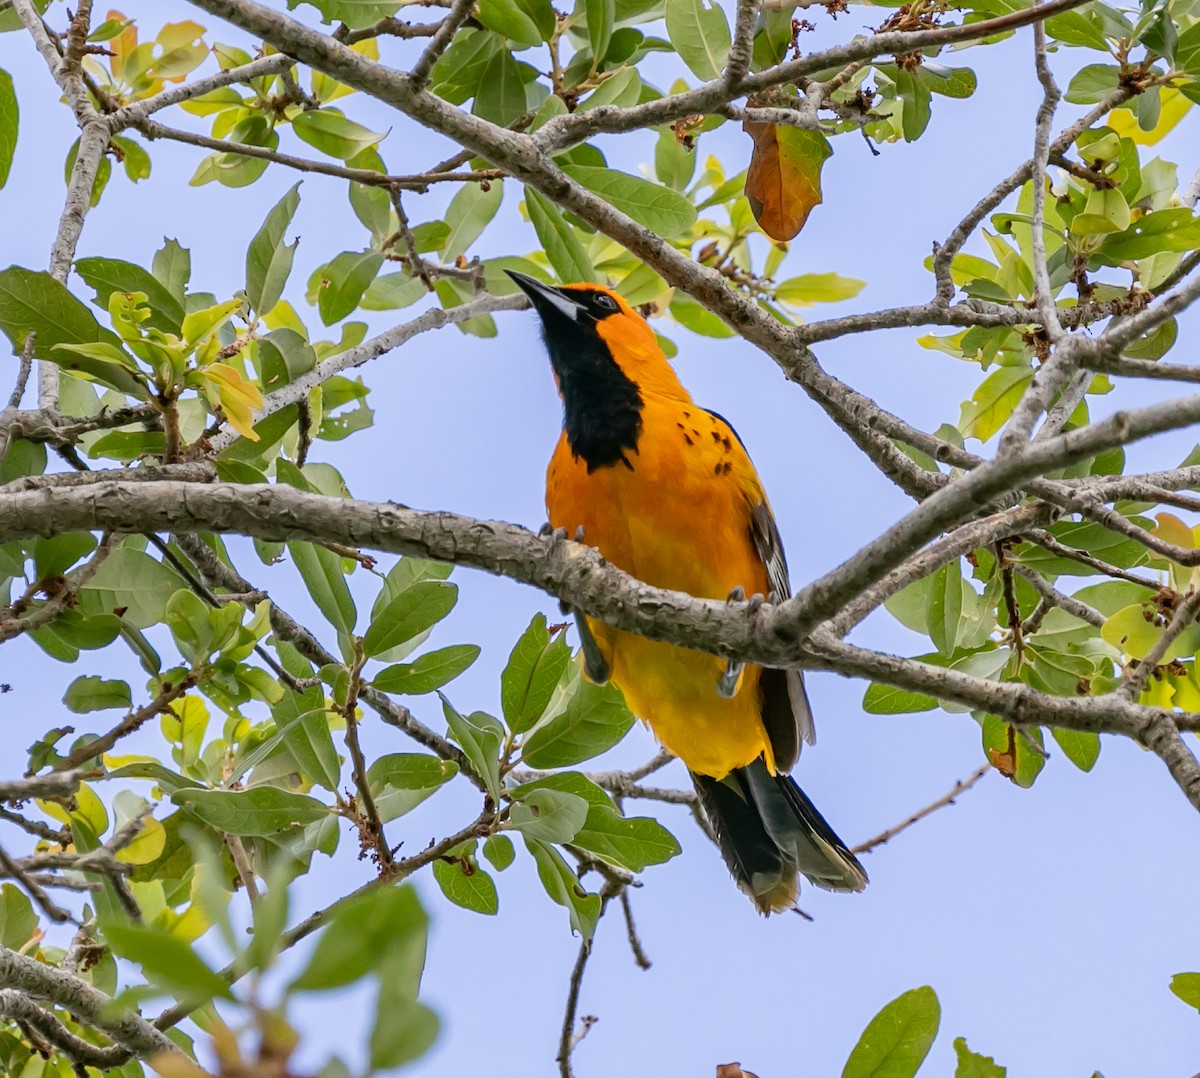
666 491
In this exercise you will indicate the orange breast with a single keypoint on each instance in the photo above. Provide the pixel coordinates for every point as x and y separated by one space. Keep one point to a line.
679 518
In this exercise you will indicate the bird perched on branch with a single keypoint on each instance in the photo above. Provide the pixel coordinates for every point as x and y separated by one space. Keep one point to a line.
665 490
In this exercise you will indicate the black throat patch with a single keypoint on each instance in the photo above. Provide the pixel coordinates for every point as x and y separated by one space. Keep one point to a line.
602 408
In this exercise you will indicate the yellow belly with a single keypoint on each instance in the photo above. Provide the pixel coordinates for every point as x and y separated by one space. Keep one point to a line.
679 519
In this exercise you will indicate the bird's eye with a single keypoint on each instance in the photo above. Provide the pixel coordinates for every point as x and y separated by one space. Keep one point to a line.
605 301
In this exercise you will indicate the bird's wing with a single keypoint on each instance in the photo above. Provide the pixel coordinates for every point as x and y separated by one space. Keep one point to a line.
786 714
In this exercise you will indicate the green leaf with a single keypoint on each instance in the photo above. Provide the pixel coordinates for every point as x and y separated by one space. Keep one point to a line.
624 89
480 736
260 811
166 960
18 922
594 720
1164 230
1187 987
34 301
887 700
970 1064
362 932
944 610
508 20
54 555
634 842
691 315
304 723
72 631
109 275
412 612
956 82
811 288
268 258
992 403
469 213
660 209
914 94
498 849
131 581
92 693
465 884
563 249
674 163
700 33
431 671
456 76
8 125
404 1029
269 916
1077 28
1092 84
528 680
1079 746
172 268
601 14
500 97
237 170
897 1040
1010 753
339 285
549 815
321 571
135 160
330 132
561 885
400 781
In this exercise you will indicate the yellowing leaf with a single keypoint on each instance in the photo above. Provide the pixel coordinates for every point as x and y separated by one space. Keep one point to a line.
89 809
201 324
239 398
783 182
182 50
123 44
1134 630
1172 108
148 844
1158 693
1172 530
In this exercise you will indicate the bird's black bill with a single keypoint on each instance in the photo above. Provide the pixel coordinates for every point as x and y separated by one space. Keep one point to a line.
548 301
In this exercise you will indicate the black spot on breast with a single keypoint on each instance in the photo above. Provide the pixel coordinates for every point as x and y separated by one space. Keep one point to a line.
727 443
716 435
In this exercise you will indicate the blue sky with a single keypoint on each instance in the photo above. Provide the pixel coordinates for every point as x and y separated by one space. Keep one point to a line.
1046 919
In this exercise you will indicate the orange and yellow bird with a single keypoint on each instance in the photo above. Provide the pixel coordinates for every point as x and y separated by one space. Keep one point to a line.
665 490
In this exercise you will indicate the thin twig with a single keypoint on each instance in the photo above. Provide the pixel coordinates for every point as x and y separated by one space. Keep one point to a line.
947 799
635 942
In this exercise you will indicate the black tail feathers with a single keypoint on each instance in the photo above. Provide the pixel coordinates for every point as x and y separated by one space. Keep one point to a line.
769 833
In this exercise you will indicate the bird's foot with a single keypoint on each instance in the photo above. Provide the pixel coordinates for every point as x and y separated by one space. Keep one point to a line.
727 683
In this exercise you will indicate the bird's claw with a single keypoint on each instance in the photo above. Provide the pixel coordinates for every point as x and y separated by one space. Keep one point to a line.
727 683
594 663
